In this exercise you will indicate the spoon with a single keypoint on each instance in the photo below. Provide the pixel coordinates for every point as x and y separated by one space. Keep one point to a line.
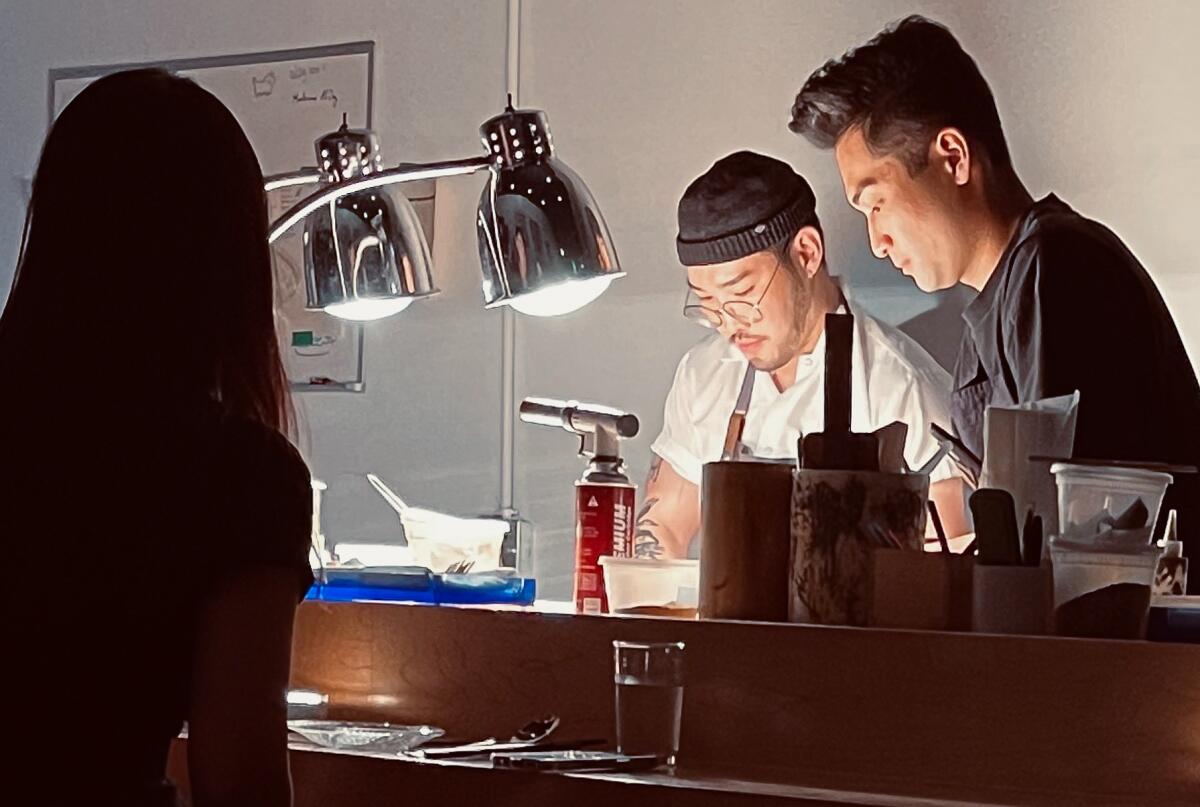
532 733
389 495
536 730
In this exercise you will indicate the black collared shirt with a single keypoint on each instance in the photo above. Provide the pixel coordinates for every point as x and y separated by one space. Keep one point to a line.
1070 308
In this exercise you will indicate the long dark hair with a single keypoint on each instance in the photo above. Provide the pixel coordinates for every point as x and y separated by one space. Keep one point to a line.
144 271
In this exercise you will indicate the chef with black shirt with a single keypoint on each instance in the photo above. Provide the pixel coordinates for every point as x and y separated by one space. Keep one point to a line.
1063 304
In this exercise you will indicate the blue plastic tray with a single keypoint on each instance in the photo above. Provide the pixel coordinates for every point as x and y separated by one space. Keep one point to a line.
430 589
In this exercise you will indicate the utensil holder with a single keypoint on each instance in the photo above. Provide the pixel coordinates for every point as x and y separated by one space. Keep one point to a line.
920 590
1012 599
834 517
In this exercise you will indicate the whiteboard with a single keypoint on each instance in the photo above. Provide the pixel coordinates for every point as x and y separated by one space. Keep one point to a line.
284 101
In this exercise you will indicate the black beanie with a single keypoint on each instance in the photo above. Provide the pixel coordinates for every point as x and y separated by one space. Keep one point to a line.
745 203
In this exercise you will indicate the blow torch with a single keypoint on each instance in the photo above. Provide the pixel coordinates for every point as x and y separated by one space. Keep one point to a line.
604 496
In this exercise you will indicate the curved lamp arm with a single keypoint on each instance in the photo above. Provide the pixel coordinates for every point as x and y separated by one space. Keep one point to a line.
305 176
402 173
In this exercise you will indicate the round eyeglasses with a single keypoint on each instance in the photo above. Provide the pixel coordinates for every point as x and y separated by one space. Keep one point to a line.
743 312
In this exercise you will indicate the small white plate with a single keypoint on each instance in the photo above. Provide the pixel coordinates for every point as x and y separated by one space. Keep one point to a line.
378 737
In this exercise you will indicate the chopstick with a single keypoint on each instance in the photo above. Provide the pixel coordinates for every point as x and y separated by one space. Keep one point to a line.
937 526
882 536
962 456
480 749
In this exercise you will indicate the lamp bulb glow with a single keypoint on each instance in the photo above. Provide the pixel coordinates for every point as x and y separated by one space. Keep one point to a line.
561 298
366 310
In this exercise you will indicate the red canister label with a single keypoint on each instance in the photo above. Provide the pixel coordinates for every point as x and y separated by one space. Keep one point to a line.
603 526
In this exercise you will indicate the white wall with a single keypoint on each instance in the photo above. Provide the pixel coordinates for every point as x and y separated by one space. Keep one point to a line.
1096 96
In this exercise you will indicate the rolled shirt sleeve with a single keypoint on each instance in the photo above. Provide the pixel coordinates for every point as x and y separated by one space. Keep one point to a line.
677 443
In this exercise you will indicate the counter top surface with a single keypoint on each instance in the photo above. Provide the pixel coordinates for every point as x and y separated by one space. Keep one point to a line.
902 717
331 778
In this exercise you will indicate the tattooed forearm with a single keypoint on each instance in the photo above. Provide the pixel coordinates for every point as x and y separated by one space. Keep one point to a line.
645 543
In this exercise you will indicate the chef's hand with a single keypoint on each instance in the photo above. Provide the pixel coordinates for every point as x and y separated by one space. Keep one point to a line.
950 497
670 514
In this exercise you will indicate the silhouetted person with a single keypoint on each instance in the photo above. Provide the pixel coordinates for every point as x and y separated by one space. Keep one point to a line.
156 518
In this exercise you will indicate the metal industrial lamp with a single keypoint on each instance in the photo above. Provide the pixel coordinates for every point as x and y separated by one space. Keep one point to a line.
365 256
543 244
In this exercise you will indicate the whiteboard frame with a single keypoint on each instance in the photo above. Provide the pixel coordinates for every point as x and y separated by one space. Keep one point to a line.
365 47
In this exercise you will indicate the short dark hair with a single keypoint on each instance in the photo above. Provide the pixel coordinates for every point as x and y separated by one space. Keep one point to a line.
904 85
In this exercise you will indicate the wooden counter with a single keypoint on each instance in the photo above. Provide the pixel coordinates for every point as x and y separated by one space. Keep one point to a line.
324 778
773 714
952 716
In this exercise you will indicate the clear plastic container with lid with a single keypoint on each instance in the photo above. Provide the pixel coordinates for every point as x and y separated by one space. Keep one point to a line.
652 587
1108 505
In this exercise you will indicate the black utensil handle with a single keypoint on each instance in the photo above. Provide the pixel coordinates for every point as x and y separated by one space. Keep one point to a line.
1031 543
995 519
839 343
943 544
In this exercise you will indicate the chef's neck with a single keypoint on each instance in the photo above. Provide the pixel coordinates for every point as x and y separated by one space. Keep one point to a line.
824 298
992 214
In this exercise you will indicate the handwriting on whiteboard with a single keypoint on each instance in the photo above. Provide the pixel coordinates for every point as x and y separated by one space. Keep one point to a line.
327 96
263 87
300 72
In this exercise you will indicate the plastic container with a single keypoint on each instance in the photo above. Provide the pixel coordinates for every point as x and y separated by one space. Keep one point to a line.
652 587
426 588
483 589
1092 497
1102 594
439 542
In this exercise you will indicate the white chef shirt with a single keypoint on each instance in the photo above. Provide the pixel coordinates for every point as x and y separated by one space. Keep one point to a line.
892 378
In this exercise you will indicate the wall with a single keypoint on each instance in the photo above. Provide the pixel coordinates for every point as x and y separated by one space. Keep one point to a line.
1096 96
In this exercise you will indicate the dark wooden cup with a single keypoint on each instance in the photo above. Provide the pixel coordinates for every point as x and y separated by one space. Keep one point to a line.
745 540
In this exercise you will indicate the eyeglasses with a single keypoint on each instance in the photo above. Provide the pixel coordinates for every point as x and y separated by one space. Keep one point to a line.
742 312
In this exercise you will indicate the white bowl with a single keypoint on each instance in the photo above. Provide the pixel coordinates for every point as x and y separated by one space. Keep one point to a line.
439 542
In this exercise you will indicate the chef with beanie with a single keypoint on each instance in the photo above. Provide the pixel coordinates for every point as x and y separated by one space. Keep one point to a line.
754 252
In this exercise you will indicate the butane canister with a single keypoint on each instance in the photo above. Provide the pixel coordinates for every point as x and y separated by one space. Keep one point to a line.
604 516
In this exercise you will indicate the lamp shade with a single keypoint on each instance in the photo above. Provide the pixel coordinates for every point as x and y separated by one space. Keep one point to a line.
543 245
365 256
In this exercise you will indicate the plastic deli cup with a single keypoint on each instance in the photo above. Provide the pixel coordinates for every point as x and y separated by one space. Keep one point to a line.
652 587
1102 594
1108 505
